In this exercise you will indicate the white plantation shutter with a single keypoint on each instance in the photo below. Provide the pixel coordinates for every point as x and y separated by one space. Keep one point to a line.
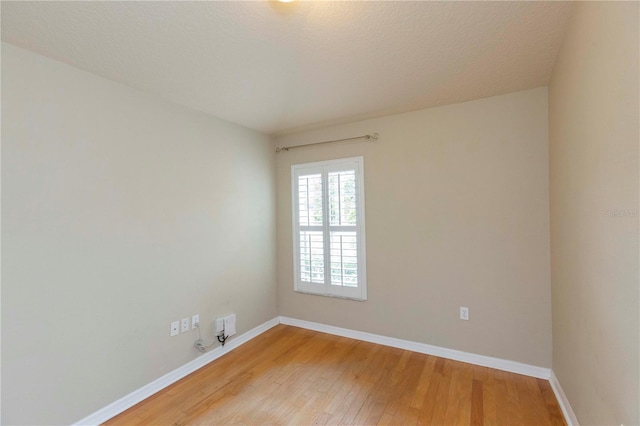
328 228
311 226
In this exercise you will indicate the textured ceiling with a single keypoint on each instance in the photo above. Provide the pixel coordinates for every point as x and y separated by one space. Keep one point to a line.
276 67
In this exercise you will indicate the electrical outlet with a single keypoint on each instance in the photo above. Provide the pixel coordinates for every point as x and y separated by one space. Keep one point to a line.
175 328
195 321
464 313
230 325
219 324
185 325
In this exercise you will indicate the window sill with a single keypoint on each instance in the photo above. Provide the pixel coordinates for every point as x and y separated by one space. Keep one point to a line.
334 296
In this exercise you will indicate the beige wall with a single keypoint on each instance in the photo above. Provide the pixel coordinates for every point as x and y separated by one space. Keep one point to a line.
120 213
593 112
456 215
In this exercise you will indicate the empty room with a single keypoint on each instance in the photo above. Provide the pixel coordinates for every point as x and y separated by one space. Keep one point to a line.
320 212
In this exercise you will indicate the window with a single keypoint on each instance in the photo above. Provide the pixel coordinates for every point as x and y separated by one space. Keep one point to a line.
328 228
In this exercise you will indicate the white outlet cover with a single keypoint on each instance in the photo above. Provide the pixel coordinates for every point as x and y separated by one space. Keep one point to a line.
185 325
175 328
464 313
230 325
219 324
195 321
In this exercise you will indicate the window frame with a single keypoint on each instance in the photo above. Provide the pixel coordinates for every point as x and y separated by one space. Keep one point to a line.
327 289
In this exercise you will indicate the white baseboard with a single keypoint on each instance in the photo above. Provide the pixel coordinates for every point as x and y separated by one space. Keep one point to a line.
157 385
486 361
567 411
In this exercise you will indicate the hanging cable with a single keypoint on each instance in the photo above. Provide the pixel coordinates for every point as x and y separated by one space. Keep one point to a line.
200 344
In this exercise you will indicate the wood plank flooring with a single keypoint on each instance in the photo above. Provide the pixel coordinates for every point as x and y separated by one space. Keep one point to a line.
294 376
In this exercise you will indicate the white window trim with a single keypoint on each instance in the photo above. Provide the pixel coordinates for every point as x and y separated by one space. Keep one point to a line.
326 289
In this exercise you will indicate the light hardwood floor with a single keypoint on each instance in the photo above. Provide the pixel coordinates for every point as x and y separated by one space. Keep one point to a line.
294 376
